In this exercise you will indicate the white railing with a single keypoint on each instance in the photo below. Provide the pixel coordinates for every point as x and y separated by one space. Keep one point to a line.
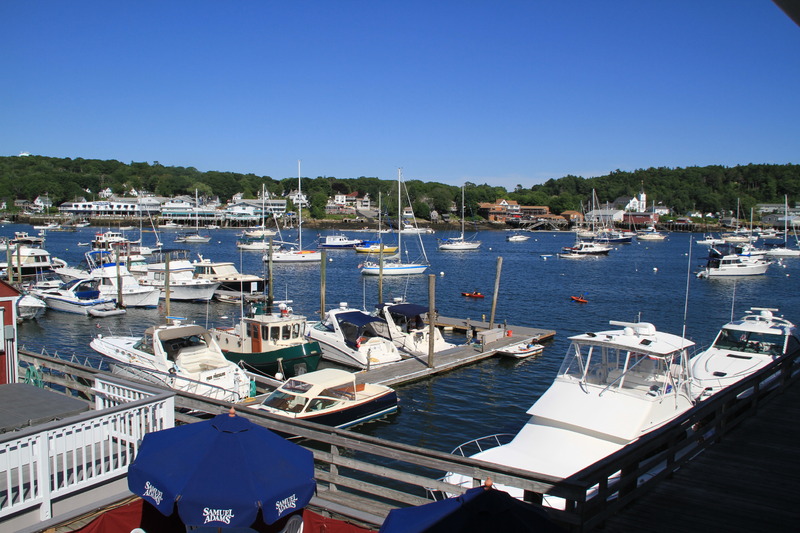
47 462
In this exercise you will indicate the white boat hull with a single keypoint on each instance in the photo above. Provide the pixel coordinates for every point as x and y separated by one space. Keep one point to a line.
393 269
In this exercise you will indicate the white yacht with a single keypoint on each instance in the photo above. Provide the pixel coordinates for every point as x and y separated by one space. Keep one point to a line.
183 285
724 262
179 356
353 338
408 330
741 348
233 284
613 387
116 281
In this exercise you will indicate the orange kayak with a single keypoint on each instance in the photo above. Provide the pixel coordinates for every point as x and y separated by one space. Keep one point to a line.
472 294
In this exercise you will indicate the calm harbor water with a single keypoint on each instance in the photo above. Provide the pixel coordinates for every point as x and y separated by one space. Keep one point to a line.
639 281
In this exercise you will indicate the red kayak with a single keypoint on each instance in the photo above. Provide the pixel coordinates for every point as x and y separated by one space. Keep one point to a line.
579 299
472 294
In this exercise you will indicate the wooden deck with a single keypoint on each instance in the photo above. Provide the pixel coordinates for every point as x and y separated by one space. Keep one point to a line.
416 368
747 482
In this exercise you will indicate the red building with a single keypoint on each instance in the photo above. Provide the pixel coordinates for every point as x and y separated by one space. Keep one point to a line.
8 333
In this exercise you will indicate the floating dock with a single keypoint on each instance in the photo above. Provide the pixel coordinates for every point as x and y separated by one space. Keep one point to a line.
486 344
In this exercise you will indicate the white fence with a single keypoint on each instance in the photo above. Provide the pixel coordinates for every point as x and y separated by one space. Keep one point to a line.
47 463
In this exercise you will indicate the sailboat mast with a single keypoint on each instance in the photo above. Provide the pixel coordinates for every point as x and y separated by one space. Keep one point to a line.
300 208
462 212
399 212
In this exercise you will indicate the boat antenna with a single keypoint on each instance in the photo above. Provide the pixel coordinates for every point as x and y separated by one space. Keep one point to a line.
688 277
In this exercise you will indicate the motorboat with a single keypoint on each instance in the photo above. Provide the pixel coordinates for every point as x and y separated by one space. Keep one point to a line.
332 397
742 347
650 233
374 248
353 338
724 262
459 243
80 296
117 282
30 307
28 263
710 240
253 244
178 356
610 236
175 266
117 244
517 237
613 387
521 350
408 330
22 237
338 241
408 228
270 343
192 237
584 249
233 284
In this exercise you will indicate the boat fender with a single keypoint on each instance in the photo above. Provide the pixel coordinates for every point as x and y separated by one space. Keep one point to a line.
508 333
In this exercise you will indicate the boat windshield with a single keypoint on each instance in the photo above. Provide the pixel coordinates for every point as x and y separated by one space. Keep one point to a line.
145 344
285 401
617 368
750 341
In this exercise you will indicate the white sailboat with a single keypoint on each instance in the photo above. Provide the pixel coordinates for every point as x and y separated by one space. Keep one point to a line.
784 251
291 252
459 243
396 267
194 236
256 238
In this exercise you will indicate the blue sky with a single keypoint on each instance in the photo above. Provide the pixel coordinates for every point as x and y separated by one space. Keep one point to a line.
505 93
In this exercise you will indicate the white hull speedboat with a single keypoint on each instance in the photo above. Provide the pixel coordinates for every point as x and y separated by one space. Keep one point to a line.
183 357
80 297
650 234
408 331
353 338
585 249
741 348
29 307
613 387
517 238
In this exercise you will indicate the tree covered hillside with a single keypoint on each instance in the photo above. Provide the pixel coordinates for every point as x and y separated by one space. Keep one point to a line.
707 189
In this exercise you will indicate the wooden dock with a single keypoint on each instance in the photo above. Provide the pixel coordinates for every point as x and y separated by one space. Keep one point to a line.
416 368
746 482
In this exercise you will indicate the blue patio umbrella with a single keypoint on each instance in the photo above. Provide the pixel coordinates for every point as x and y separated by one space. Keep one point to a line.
221 472
477 510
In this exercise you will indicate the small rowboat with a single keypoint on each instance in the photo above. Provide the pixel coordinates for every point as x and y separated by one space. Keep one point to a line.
521 350
580 299
472 294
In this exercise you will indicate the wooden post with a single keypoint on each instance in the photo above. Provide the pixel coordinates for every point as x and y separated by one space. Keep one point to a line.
270 295
496 289
431 316
380 275
120 303
19 263
10 269
322 283
166 284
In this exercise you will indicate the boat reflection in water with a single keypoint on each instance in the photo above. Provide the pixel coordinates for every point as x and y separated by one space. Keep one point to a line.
613 387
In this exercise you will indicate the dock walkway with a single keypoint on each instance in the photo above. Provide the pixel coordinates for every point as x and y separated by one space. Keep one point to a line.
746 482
416 368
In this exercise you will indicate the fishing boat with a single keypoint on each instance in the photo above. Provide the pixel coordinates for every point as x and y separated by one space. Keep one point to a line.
473 294
742 347
353 338
459 243
178 356
293 252
234 285
613 387
521 350
81 297
395 266
338 241
408 330
723 261
331 397
270 343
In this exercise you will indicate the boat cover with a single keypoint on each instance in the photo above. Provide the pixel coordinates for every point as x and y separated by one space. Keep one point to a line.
408 309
